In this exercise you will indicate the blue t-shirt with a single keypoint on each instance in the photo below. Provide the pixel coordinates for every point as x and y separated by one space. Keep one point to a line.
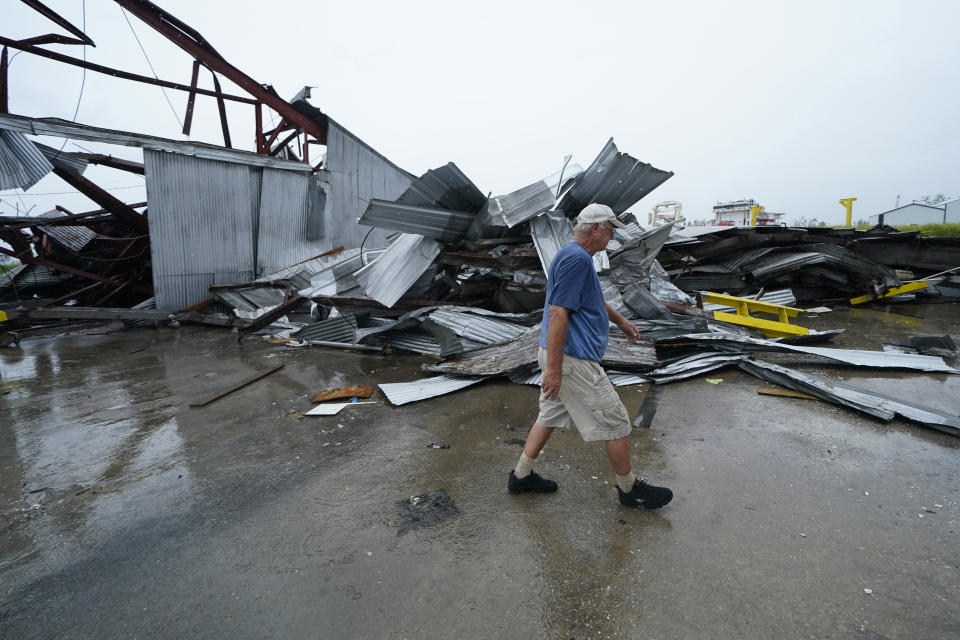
573 284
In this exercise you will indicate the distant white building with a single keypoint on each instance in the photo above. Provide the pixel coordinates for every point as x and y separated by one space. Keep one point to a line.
952 212
910 214
737 214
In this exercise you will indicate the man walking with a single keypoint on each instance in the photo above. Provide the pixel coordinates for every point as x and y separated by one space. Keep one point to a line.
575 388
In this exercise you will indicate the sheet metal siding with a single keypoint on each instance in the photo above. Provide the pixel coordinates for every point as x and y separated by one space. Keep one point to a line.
21 163
284 222
201 221
914 214
356 174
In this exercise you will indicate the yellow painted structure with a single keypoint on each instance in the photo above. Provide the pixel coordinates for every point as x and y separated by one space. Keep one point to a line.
848 205
3 316
754 212
910 286
743 306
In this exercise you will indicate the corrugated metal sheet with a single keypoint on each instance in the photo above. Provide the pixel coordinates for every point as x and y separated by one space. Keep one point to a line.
388 277
202 225
356 174
614 179
418 341
282 230
403 392
870 402
855 357
64 129
74 238
62 160
431 222
35 275
21 163
338 329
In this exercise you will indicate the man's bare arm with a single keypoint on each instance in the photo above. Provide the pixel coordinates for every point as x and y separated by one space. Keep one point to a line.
628 328
556 336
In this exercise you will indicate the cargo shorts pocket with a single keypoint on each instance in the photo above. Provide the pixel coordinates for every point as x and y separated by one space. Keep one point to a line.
607 410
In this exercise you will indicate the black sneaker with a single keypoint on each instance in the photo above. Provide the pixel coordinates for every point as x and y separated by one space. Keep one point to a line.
532 482
645 496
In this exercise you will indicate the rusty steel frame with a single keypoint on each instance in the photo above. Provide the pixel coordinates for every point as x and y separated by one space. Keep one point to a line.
53 16
114 163
117 208
72 270
193 43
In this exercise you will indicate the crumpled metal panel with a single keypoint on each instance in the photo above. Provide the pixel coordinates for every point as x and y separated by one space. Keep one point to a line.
550 232
74 238
388 277
321 275
522 353
693 366
633 261
480 329
446 187
614 179
837 261
523 204
21 163
644 304
871 402
250 299
399 393
431 222
855 357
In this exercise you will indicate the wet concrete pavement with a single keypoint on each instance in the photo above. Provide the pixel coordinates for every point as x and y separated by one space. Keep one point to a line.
125 513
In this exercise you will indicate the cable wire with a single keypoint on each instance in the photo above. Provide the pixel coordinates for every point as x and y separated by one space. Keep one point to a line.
83 81
150 64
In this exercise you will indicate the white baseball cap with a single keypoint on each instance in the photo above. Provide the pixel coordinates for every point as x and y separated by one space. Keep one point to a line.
598 213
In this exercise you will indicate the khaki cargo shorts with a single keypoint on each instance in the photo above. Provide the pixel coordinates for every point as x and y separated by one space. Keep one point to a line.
587 399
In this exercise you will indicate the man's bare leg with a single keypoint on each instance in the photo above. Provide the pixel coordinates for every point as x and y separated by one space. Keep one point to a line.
522 478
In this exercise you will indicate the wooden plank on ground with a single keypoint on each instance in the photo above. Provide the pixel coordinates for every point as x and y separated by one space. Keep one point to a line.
354 391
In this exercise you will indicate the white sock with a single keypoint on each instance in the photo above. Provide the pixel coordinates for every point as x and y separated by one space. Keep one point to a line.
524 466
625 481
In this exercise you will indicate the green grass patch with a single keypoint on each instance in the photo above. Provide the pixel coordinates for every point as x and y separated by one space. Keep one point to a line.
928 230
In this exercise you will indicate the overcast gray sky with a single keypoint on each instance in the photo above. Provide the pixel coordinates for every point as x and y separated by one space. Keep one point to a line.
796 104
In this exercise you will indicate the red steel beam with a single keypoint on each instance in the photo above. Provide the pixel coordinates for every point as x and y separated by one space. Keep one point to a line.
114 163
4 107
188 118
52 15
222 106
193 43
116 73
51 38
116 207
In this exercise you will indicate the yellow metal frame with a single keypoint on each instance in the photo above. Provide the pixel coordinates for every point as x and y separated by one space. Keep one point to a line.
910 286
778 328
848 205
754 212
3 316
